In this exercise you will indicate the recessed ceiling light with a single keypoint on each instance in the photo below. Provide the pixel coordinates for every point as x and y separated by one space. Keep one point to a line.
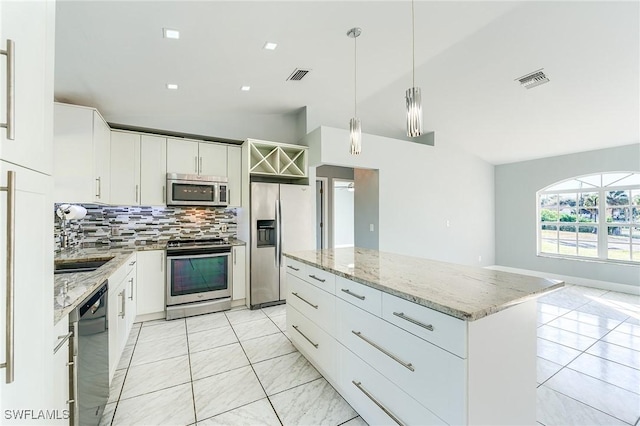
245 88
172 86
169 33
270 45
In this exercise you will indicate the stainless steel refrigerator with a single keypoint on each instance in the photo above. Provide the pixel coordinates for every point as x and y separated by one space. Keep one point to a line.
282 219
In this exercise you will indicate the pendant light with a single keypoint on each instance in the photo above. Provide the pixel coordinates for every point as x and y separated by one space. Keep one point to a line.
355 128
413 96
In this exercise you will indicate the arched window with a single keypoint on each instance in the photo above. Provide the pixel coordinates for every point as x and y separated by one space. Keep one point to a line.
591 217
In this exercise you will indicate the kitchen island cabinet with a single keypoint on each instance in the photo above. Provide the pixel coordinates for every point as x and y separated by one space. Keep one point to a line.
413 341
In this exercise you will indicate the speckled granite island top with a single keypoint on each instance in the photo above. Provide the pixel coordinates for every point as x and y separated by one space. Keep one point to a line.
464 292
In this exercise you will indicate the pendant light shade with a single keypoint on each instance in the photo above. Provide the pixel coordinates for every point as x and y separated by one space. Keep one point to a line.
413 96
355 128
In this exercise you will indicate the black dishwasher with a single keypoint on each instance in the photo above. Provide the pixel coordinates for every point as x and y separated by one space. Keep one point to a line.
91 358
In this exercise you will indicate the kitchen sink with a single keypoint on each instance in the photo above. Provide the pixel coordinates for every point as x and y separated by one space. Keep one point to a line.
79 266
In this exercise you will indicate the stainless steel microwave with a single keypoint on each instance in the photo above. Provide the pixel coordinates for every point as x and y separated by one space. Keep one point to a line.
196 190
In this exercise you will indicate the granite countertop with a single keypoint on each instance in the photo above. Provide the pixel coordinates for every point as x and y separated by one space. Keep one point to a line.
465 292
80 285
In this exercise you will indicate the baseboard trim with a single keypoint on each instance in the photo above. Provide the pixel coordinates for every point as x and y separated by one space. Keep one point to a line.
586 282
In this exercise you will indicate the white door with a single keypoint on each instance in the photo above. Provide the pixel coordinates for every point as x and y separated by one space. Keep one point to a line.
31 26
125 169
182 156
33 293
151 277
213 159
153 170
234 174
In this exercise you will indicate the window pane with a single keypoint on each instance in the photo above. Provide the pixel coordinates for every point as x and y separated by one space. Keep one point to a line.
633 179
635 235
619 251
614 178
550 232
635 196
549 201
568 247
635 214
549 246
588 199
618 214
588 215
619 234
567 200
588 233
618 198
567 232
636 252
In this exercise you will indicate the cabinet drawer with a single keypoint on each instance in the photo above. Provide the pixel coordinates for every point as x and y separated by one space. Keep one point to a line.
315 304
440 329
359 295
356 378
122 272
315 344
321 279
434 377
296 268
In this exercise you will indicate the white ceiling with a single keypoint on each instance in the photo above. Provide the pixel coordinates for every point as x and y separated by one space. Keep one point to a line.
111 55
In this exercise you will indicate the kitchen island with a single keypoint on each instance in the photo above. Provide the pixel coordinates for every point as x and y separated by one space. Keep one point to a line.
416 341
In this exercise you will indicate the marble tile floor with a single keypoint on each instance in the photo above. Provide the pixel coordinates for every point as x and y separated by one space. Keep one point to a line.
239 368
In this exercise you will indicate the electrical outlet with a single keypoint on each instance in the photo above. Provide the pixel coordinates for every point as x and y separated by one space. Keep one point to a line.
223 227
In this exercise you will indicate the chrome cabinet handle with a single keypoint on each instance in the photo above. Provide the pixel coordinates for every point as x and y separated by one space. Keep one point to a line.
408 366
98 187
294 268
62 342
162 260
122 303
315 345
131 282
378 403
234 255
10 277
164 194
137 186
11 88
196 157
305 301
411 320
200 168
316 278
357 296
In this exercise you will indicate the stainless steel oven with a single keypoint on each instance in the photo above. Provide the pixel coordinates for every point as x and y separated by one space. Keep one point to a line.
197 190
198 277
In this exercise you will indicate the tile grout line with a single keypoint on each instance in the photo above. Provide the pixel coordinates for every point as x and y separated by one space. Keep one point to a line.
126 373
193 394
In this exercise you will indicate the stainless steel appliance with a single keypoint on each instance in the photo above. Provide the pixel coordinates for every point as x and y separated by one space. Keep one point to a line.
198 277
90 373
196 190
282 218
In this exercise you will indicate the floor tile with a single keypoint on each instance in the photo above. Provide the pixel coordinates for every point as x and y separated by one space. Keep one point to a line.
554 408
206 322
555 352
566 338
585 329
256 413
157 350
358 421
107 414
315 403
627 298
226 391
579 290
564 299
592 319
551 309
162 331
155 376
616 353
116 385
267 347
602 396
605 309
285 372
629 328
172 406
608 371
545 369
133 336
218 360
544 318
244 315
280 321
125 357
253 329
210 339
623 339
272 311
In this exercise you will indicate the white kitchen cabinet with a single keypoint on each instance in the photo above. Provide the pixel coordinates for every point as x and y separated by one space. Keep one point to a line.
131 302
182 156
61 370
82 142
213 159
153 170
151 277
125 168
234 174
238 274
32 292
121 312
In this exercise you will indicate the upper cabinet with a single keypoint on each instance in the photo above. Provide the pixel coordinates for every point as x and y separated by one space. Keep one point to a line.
27 36
234 174
153 170
277 159
82 141
193 157
213 159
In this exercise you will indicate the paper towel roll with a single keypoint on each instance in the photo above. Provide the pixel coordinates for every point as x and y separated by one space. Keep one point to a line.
71 212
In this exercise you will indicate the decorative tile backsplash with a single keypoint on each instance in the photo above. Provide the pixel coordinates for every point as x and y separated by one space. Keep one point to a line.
139 225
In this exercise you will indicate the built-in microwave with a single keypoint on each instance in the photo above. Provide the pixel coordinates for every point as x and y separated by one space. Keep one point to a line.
196 190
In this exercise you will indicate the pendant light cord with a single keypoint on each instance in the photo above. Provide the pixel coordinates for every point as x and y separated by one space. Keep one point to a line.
413 47
355 76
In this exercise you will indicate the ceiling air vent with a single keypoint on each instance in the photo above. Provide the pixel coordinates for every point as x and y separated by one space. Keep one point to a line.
298 74
533 79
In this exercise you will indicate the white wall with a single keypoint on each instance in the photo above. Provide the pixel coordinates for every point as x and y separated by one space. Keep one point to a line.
516 220
420 189
367 208
343 216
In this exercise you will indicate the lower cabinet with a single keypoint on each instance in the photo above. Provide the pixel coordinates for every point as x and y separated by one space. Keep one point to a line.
151 276
238 274
62 372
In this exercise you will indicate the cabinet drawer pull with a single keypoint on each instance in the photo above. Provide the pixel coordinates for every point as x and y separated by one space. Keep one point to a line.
10 277
293 267
315 345
357 296
316 278
413 321
10 124
378 403
122 304
131 282
305 301
408 366
64 339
